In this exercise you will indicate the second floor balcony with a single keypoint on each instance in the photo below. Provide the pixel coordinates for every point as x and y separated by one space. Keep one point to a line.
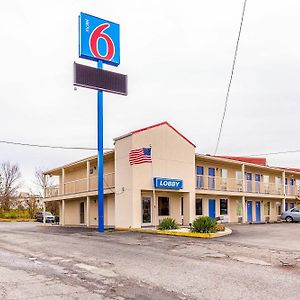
215 183
81 185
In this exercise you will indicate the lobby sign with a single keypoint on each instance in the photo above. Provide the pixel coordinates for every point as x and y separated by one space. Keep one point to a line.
99 39
168 183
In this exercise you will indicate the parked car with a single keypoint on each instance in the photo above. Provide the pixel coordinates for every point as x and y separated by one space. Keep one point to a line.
48 216
291 215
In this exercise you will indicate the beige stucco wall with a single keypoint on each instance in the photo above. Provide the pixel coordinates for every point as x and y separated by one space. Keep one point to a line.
72 212
173 157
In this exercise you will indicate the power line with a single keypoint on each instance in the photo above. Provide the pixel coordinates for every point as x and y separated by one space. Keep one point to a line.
231 76
49 146
275 153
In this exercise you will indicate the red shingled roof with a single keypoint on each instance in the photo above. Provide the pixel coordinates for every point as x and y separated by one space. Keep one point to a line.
252 160
290 169
160 124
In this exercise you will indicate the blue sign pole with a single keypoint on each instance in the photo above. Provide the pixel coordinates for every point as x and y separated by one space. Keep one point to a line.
99 40
100 158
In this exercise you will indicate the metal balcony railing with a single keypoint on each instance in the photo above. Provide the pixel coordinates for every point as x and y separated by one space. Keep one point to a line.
236 185
81 185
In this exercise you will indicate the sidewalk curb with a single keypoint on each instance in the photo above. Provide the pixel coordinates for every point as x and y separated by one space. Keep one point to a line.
178 233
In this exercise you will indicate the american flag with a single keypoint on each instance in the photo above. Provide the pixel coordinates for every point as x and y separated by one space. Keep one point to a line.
139 156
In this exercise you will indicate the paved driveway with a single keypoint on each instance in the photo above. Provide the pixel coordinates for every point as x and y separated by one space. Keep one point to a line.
255 262
278 235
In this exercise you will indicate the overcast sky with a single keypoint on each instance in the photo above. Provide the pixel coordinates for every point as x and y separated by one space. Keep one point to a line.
178 57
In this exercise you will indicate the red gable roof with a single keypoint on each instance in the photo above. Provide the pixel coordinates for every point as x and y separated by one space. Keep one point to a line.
252 160
160 124
289 169
294 169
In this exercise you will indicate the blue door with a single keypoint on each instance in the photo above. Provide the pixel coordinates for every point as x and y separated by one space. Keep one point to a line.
292 205
257 211
212 208
211 178
249 211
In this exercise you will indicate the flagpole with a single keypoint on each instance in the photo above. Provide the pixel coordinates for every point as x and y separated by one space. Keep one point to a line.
153 189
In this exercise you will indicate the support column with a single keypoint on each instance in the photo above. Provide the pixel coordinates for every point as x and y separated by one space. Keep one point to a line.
62 212
243 178
88 165
189 208
44 211
284 192
88 211
63 182
244 209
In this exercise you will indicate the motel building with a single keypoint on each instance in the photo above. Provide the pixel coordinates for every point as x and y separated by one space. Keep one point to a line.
173 181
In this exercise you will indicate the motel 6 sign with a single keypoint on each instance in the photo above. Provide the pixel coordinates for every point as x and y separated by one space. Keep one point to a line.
99 39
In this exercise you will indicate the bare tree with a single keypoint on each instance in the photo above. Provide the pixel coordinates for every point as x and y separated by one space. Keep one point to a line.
10 182
32 202
41 181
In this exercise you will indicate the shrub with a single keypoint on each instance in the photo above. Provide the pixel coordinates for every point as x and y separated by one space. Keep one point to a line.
15 214
204 225
167 224
220 227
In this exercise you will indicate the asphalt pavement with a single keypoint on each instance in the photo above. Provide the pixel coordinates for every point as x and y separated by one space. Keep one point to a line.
51 262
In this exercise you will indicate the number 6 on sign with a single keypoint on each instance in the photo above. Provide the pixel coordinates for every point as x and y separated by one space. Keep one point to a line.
97 34
99 39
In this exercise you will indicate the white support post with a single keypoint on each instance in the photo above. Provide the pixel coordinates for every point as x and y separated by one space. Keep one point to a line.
88 211
88 166
284 192
44 212
243 178
244 209
62 212
63 181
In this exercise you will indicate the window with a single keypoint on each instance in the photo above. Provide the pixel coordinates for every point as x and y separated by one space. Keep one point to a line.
224 173
198 207
295 210
223 206
224 176
279 209
163 206
267 208
278 184
239 208
266 180
199 178
182 206
249 182
211 178
239 180
257 183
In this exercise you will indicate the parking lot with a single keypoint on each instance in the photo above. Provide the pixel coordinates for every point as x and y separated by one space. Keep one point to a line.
51 262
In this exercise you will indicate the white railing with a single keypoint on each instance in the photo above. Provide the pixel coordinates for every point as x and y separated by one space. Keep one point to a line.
53 191
81 185
236 185
218 183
